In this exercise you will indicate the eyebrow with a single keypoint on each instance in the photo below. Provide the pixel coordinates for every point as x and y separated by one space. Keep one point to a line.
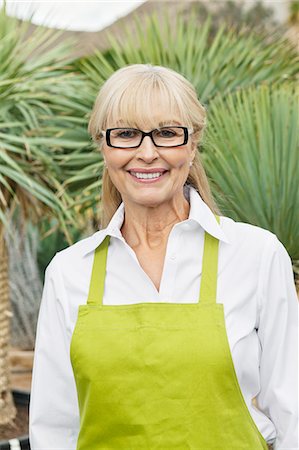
168 122
160 124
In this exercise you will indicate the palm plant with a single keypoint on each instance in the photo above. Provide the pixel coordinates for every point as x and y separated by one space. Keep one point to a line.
251 153
23 271
222 62
39 108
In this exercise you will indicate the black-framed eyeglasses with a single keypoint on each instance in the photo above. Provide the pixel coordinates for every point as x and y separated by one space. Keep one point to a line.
171 136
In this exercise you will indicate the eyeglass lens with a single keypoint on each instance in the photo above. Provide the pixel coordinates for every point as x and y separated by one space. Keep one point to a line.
130 137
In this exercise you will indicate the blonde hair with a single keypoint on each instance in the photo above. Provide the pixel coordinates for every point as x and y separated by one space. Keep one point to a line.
130 96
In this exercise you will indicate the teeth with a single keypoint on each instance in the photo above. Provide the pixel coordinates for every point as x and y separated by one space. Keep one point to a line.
146 175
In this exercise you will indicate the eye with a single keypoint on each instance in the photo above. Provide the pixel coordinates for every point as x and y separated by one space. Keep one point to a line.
166 133
128 133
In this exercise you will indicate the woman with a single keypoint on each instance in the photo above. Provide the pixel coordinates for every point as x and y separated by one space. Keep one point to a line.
159 330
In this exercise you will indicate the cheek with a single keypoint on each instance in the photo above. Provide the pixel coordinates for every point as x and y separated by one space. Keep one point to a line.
178 158
116 159
179 161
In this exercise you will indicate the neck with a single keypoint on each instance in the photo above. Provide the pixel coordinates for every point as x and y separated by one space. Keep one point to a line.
149 227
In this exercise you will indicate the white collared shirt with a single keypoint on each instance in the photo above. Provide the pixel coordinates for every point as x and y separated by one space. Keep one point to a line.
255 284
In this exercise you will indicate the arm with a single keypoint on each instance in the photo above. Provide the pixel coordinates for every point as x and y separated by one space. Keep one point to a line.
278 334
54 414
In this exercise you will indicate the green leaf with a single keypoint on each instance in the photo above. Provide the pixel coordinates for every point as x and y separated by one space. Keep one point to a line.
251 154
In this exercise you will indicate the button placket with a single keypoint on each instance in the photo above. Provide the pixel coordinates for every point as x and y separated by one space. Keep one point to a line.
167 285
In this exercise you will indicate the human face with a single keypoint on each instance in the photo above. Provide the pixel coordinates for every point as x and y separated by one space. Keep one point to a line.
172 162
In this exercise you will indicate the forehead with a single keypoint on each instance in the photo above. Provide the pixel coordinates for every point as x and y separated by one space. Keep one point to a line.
146 125
146 110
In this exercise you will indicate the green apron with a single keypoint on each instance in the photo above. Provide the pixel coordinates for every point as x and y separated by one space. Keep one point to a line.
158 375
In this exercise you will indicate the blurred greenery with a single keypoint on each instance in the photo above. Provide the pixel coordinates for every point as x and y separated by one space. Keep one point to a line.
238 15
39 110
251 153
223 62
51 242
294 12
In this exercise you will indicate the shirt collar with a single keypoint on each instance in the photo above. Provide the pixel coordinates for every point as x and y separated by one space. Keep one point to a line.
199 213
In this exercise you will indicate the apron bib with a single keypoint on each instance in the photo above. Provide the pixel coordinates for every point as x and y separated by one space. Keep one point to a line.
158 375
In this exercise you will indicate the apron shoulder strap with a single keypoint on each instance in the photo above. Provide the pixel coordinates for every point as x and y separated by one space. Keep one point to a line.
97 281
208 285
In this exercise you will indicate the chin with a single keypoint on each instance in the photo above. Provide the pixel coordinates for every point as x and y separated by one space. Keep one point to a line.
150 200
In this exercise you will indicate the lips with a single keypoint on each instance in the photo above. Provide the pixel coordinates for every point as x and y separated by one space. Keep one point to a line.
148 180
154 170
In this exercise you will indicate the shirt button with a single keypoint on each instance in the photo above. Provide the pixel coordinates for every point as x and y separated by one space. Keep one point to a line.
173 256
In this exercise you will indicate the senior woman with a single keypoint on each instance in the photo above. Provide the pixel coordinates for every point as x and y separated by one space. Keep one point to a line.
159 330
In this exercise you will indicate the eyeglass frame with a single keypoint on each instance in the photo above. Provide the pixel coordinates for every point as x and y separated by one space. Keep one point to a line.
187 132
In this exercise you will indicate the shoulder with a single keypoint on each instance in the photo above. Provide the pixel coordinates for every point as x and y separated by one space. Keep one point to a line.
256 255
252 244
74 257
243 234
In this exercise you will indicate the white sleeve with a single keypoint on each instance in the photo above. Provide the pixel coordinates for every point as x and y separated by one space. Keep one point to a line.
278 334
54 412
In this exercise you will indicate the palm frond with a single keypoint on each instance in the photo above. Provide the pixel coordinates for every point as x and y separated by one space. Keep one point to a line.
42 115
223 62
251 154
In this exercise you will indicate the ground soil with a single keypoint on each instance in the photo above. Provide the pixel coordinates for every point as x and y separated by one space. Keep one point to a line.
21 363
20 379
19 428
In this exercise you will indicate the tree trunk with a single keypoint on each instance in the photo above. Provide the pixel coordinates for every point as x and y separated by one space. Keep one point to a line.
7 407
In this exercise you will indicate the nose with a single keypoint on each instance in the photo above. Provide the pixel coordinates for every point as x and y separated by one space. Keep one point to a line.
147 150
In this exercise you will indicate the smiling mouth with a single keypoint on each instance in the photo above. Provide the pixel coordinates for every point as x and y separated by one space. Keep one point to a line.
147 177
